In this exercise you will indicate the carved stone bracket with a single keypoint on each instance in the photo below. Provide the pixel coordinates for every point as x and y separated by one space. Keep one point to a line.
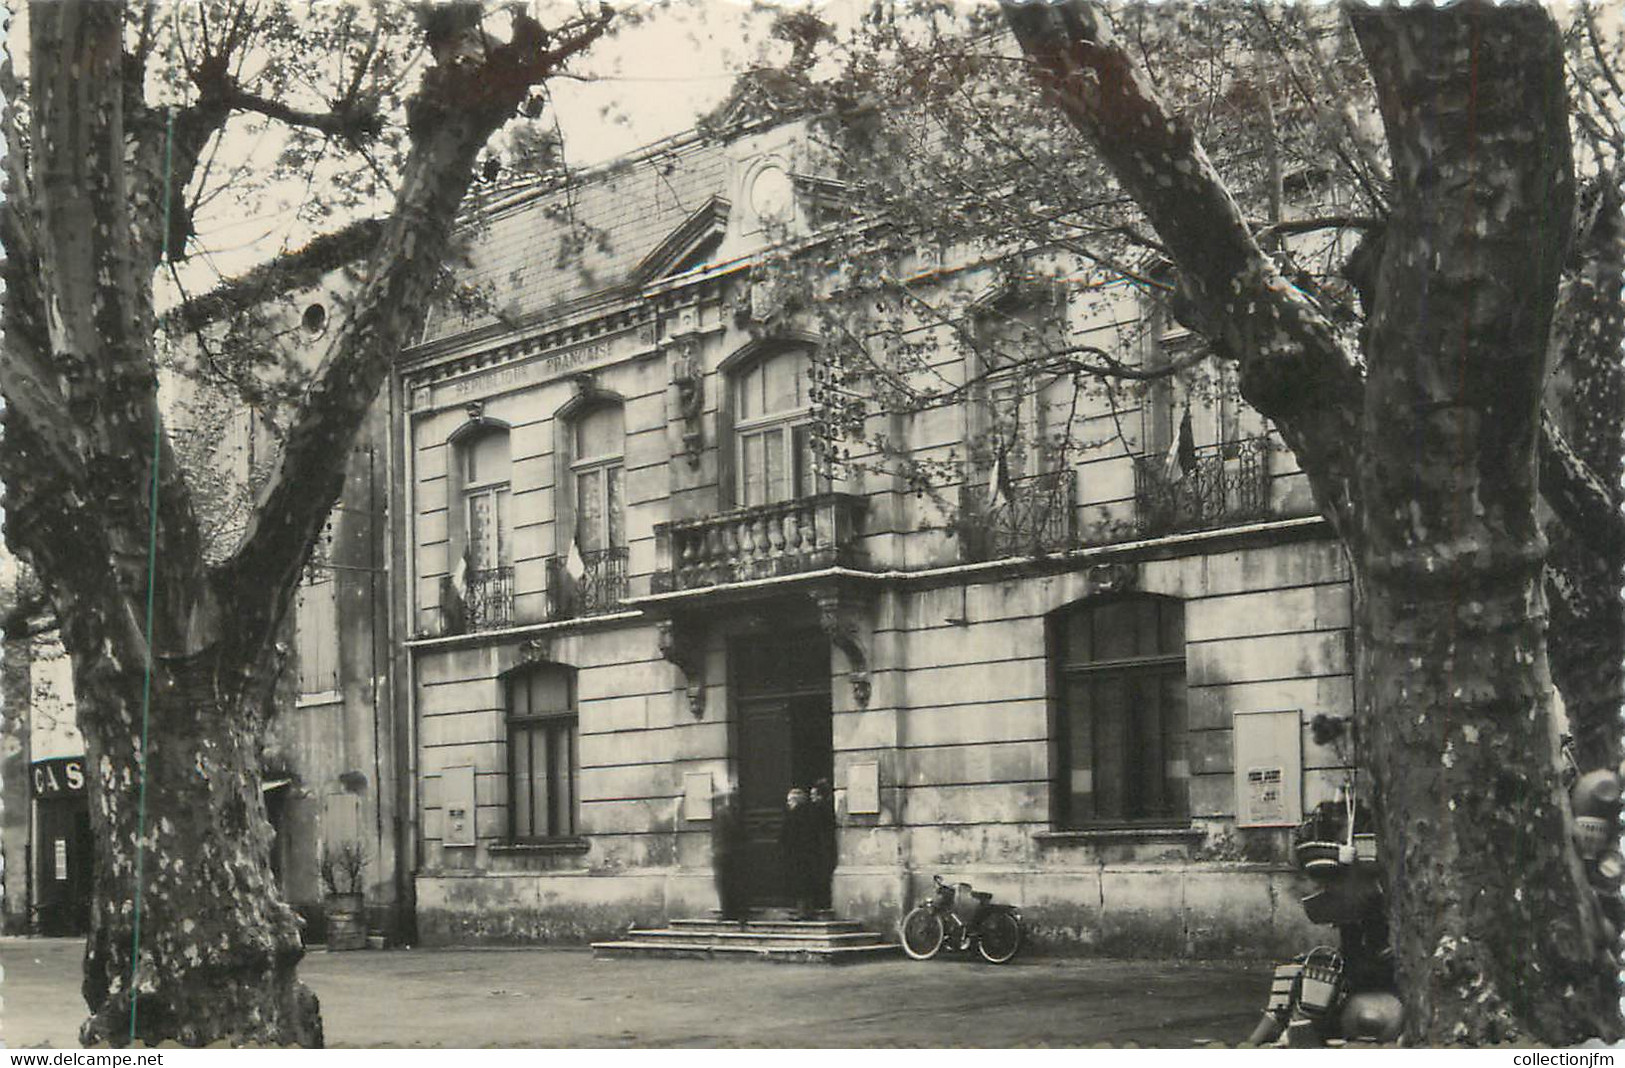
538 650
684 645
841 618
1111 578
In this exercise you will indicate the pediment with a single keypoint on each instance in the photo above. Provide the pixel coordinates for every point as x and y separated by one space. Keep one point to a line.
691 244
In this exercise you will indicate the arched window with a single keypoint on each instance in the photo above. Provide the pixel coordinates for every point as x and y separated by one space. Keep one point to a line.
773 429
482 560
587 572
1121 730
1019 488
542 760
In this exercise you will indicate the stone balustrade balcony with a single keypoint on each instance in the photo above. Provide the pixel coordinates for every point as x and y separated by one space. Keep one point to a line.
762 541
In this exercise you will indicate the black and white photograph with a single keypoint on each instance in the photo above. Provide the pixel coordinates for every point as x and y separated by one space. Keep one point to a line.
865 524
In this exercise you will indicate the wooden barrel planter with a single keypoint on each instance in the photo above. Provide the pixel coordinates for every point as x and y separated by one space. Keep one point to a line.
346 922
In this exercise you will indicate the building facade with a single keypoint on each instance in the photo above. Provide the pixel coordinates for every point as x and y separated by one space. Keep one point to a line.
1083 679
45 816
329 759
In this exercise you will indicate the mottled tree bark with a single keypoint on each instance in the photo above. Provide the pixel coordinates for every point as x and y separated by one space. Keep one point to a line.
82 226
1496 935
1426 463
1586 396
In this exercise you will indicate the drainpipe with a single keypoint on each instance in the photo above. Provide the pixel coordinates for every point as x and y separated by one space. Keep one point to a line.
403 676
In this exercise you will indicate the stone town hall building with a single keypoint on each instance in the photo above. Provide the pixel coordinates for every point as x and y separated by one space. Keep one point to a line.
614 575
622 577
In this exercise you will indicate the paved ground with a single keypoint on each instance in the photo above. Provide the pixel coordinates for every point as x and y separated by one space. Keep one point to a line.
562 997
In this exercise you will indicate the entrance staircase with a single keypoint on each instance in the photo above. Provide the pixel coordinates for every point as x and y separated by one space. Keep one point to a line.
769 935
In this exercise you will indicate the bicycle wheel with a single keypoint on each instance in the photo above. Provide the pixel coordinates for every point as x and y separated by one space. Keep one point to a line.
921 933
1000 938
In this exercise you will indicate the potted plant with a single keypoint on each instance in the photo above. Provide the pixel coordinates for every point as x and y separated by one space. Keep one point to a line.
342 867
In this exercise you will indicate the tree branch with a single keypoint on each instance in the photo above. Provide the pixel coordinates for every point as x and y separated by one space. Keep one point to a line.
1293 369
351 120
471 90
1582 501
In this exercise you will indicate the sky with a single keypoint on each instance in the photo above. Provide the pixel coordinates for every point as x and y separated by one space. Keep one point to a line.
649 80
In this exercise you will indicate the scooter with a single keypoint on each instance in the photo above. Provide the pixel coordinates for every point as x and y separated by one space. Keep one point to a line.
1348 992
957 916
1345 991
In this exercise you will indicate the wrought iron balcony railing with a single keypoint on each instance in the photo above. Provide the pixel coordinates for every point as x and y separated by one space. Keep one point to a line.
763 541
483 602
1031 515
601 586
1228 484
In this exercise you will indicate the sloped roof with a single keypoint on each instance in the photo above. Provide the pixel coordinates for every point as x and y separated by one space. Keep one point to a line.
533 254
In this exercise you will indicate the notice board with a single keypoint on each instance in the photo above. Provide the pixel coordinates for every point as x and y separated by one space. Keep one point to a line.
1269 768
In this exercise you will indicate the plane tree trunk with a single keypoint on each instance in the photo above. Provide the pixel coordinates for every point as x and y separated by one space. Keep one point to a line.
172 710
1424 457
1586 397
218 947
1496 934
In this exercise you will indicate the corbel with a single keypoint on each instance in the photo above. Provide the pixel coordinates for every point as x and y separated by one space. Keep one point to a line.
684 646
840 617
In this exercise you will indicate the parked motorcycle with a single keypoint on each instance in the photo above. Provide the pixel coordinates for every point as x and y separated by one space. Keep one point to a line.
1344 991
959 917
1348 992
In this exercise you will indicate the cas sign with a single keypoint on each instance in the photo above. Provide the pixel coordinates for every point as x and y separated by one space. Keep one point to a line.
63 777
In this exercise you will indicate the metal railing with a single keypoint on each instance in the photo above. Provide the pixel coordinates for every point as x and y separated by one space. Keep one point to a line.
1028 516
489 601
762 541
487 598
601 587
1228 483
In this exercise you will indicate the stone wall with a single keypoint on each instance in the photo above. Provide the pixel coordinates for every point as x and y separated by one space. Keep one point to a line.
958 723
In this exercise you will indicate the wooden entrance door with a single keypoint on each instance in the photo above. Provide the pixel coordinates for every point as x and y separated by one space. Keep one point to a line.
783 739
63 857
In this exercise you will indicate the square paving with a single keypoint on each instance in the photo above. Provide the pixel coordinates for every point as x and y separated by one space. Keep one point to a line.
564 997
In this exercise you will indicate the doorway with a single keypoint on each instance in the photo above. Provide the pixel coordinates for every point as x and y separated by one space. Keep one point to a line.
63 856
783 739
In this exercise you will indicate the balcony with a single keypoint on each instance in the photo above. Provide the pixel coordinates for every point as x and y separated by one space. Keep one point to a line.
1035 516
1230 484
764 541
487 600
601 587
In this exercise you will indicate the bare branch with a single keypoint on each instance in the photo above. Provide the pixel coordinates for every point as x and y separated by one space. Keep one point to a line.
1293 368
351 121
1582 501
462 101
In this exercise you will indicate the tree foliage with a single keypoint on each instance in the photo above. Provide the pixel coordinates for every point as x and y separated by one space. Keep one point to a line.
1385 251
126 126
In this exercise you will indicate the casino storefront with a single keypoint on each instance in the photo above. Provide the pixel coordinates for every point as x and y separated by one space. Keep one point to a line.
60 847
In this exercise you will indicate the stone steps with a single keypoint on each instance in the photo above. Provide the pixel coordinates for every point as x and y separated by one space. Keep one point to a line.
824 941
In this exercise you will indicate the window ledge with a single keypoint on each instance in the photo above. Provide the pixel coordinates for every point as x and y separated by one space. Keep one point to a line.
558 845
1085 835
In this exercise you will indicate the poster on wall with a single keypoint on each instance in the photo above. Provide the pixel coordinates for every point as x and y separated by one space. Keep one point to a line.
1268 753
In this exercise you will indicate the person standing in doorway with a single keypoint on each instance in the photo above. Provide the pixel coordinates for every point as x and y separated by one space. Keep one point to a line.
823 820
727 851
798 840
